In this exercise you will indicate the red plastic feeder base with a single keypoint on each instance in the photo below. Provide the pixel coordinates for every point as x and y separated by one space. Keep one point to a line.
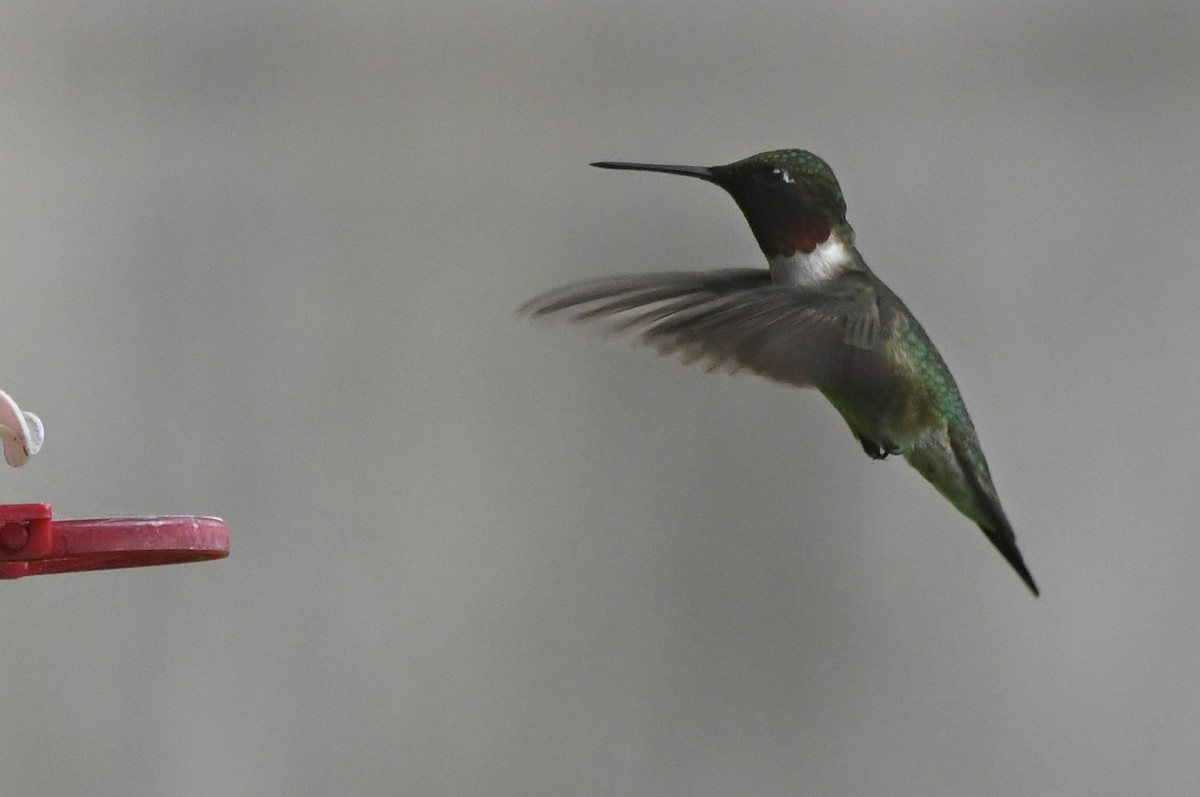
32 543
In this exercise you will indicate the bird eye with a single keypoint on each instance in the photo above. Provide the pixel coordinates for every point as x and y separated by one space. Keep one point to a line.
773 175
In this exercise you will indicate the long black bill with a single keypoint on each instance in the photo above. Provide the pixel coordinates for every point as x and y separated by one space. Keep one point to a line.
703 172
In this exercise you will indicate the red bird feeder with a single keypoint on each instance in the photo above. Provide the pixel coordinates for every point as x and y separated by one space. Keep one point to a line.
33 543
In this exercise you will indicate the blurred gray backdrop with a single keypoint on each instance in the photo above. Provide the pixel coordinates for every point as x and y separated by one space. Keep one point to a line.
262 261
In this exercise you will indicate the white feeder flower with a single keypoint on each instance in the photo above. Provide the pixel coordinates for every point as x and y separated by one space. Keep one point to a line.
21 432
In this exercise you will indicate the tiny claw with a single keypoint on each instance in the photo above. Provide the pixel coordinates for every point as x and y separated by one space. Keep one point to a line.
877 451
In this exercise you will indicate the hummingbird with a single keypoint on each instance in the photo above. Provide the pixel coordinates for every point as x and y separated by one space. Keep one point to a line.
817 317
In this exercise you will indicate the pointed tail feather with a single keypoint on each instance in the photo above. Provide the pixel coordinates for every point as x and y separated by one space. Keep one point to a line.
1006 543
994 523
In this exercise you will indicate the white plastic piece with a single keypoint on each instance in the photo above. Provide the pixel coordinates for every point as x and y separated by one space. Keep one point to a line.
21 432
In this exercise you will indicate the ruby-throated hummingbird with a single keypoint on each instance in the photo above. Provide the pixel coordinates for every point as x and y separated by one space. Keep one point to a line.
817 318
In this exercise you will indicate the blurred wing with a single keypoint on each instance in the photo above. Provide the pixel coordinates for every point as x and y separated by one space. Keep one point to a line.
736 319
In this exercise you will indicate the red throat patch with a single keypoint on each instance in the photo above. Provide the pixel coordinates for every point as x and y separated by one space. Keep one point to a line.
808 238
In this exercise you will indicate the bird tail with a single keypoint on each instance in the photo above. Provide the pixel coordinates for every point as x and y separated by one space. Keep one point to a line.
993 523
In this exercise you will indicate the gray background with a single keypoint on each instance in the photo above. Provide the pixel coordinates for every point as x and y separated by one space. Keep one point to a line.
262 261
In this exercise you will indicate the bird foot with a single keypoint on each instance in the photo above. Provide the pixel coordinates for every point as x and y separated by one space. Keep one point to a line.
878 450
